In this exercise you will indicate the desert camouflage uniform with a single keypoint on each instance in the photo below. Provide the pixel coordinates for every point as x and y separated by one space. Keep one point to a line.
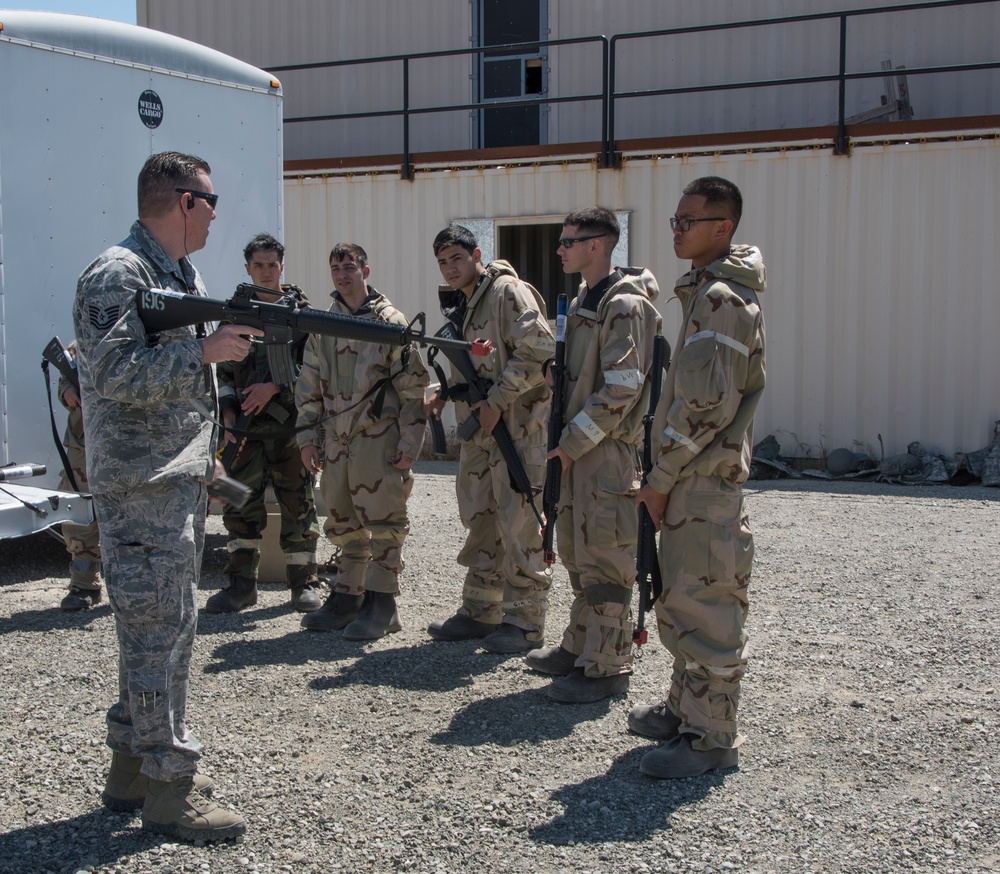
364 494
704 424
275 460
150 442
609 350
506 578
82 541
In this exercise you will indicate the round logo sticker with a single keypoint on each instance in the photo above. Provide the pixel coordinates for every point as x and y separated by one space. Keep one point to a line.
150 109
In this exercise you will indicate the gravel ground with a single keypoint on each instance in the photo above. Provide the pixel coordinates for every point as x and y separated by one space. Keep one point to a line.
871 710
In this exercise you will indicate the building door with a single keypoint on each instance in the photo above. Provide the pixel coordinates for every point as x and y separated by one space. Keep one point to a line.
507 75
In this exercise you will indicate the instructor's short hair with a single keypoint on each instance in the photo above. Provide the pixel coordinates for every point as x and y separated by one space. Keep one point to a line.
161 176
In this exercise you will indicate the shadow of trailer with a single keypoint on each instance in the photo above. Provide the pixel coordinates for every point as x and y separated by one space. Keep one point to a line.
87 101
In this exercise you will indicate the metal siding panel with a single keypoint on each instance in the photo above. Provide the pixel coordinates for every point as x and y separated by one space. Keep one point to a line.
880 307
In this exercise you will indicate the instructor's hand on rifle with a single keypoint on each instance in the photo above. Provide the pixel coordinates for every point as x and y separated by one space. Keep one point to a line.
488 417
310 458
228 343
656 503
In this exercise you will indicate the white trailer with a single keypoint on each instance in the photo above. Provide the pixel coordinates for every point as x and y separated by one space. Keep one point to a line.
84 103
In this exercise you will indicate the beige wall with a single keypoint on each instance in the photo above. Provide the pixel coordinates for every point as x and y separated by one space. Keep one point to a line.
883 293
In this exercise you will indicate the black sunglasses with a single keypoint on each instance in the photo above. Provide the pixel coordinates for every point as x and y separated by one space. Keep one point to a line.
210 199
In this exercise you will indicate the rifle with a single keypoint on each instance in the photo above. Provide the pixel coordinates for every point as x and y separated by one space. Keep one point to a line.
647 566
55 353
230 491
447 340
553 471
283 323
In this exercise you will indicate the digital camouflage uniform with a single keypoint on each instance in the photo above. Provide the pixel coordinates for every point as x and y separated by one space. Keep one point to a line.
704 428
506 577
364 494
82 541
275 460
148 405
609 350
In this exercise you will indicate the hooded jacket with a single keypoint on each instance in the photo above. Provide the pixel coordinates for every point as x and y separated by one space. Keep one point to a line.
704 420
510 314
338 372
609 350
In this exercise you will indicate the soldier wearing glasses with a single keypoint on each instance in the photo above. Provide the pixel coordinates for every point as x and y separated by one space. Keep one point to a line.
704 424
149 405
609 349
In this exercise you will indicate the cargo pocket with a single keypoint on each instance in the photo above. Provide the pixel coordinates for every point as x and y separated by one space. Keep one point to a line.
717 539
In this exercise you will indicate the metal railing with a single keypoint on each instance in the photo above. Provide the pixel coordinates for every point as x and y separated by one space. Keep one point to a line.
609 95
842 77
406 111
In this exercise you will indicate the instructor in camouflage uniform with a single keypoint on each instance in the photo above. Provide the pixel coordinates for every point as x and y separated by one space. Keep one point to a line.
149 403
268 454
704 422
609 349
505 594
369 400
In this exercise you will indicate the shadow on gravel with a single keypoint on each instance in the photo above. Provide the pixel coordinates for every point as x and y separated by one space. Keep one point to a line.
426 667
513 719
29 559
621 805
52 619
91 839
239 622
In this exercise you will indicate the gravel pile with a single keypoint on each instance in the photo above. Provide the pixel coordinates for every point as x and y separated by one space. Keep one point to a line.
871 708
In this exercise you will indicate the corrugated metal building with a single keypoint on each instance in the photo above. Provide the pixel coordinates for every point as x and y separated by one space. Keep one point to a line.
882 288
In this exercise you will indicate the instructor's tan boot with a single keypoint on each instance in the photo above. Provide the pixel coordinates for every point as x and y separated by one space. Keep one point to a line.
125 788
179 810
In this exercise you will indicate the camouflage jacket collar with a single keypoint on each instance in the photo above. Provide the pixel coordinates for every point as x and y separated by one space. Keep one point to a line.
183 270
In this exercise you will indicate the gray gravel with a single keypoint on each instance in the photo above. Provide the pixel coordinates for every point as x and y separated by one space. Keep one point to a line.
871 710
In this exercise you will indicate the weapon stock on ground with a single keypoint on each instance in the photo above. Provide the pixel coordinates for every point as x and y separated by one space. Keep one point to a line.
553 471
283 322
447 341
647 567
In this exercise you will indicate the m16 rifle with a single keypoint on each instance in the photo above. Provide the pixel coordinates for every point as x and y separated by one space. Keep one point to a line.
553 471
283 323
476 389
647 566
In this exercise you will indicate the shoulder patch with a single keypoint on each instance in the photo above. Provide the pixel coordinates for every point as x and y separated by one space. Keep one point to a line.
103 317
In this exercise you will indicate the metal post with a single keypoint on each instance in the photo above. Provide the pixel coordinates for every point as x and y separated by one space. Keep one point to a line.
609 99
840 148
406 120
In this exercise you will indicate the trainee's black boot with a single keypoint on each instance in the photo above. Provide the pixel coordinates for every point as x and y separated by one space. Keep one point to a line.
241 592
378 617
339 609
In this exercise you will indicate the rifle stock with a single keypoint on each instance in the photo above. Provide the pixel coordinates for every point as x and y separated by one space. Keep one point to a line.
553 470
57 355
647 565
